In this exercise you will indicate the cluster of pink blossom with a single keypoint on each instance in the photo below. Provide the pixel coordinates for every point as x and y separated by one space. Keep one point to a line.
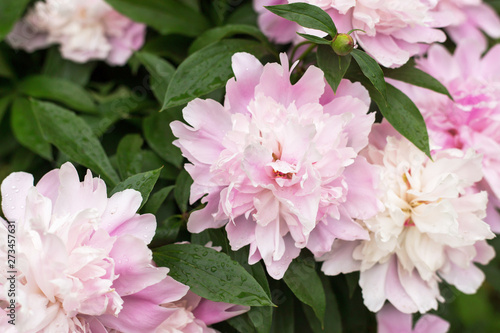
390 31
86 30
83 264
281 166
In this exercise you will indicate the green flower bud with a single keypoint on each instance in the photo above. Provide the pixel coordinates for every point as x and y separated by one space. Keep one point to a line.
342 44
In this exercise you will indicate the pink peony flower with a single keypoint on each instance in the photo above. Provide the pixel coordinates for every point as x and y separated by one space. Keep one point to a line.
82 263
86 30
467 19
393 33
279 162
390 320
431 228
472 120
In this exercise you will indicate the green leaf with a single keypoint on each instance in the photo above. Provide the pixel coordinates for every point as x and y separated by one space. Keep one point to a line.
302 278
159 136
25 129
156 200
409 74
405 117
283 317
242 323
206 70
315 39
166 16
5 102
5 67
56 66
260 317
371 70
71 135
129 155
211 275
216 34
10 12
182 190
400 112
243 14
333 65
58 90
333 322
161 72
142 182
306 15
167 231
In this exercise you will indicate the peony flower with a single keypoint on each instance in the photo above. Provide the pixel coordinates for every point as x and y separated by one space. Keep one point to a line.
467 19
278 162
472 120
82 263
431 228
85 30
391 320
393 30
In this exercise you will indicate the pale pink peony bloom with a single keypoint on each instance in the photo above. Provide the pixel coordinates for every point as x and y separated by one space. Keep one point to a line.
279 162
394 30
82 259
431 228
468 18
390 320
85 30
472 120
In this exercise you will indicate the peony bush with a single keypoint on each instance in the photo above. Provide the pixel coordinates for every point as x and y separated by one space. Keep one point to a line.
249 166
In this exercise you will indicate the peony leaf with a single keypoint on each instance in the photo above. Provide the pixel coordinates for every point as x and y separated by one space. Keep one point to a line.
142 182
333 322
58 90
371 70
5 102
284 316
10 11
206 70
71 135
159 136
333 65
182 190
26 129
156 200
399 110
409 74
129 156
219 33
56 66
211 274
315 39
306 15
166 16
161 72
303 280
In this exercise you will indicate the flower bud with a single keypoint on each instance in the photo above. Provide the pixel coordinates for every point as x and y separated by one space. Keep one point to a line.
342 44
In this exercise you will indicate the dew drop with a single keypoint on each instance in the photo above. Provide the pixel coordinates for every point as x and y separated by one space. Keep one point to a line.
213 269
